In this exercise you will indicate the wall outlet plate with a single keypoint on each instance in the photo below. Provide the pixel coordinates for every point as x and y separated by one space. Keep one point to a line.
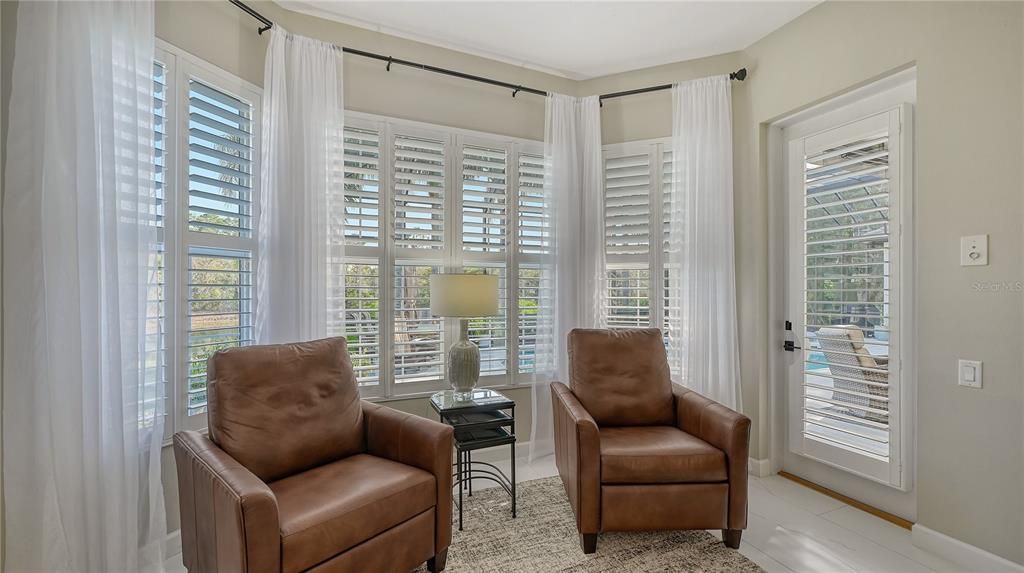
974 250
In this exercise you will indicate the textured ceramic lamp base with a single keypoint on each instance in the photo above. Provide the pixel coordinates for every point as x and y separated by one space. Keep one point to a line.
464 364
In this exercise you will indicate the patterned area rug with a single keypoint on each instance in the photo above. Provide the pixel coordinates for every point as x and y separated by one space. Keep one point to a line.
543 538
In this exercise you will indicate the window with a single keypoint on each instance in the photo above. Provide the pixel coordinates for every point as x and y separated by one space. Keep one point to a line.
206 133
638 185
422 199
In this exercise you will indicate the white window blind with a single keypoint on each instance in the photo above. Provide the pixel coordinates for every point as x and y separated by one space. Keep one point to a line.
419 337
362 320
669 303
490 333
419 191
155 376
627 205
627 240
533 218
220 312
534 289
847 240
484 204
362 187
220 162
628 297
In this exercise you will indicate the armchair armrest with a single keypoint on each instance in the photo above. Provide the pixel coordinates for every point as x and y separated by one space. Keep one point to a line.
418 442
229 518
578 457
725 429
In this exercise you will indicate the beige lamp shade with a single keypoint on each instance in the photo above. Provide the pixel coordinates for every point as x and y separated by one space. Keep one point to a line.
463 295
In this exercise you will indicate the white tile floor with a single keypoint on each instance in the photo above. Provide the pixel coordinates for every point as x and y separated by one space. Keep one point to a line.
795 529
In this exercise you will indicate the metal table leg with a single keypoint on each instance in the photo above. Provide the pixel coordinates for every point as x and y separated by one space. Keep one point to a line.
461 463
512 446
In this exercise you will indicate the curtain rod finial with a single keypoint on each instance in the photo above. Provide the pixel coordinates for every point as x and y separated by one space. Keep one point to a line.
740 74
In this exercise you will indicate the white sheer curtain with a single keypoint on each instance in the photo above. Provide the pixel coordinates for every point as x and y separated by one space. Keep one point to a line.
703 340
573 194
83 416
301 186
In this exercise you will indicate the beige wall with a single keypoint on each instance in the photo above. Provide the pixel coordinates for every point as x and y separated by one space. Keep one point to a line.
970 462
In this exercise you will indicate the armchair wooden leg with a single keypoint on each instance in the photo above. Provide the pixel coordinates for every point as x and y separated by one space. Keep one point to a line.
731 538
436 563
588 541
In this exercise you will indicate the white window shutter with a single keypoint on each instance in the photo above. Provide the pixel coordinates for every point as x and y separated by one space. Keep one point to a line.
220 162
419 192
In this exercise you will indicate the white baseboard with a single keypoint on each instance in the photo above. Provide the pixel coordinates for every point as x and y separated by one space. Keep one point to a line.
172 544
759 468
970 557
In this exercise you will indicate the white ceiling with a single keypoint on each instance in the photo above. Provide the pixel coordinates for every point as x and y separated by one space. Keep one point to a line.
578 40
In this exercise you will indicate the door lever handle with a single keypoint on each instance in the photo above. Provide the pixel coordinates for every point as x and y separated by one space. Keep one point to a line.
789 345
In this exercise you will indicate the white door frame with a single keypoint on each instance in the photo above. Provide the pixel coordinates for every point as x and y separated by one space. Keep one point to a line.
899 87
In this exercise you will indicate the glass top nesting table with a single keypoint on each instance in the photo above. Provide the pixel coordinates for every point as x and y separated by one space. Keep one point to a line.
483 419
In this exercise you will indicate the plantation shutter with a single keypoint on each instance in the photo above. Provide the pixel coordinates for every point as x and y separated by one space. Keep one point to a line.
669 302
362 320
849 229
534 283
627 206
484 201
155 376
220 162
362 187
419 187
627 241
419 336
220 312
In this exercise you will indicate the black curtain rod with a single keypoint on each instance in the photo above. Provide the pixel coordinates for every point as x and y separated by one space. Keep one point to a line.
740 74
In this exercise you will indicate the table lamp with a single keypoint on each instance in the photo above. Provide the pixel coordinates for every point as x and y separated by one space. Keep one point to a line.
463 296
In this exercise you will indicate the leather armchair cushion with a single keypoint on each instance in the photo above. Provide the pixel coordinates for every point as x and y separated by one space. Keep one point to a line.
621 377
285 408
332 508
658 454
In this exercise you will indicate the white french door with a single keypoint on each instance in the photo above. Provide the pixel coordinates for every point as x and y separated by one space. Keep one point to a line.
848 277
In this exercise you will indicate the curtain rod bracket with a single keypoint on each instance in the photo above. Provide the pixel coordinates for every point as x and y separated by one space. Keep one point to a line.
390 59
515 91
264 29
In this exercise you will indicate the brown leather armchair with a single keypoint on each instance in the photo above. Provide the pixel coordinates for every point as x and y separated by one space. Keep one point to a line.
636 452
299 474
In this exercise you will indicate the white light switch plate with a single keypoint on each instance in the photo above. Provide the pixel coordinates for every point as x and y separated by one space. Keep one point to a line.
969 373
974 251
